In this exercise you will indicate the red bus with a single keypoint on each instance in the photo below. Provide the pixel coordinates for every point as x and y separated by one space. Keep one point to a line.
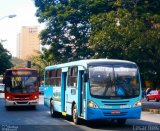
21 87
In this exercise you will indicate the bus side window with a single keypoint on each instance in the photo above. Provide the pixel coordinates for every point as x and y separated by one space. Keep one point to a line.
53 78
58 77
48 77
72 77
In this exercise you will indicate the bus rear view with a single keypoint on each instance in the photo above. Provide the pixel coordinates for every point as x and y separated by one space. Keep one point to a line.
21 87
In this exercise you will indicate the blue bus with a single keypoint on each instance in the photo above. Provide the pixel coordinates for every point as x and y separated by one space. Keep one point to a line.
95 89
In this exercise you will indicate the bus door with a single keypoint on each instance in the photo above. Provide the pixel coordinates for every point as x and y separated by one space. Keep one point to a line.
83 95
71 91
64 77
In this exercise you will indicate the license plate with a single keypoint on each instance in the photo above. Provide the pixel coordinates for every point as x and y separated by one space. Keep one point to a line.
115 112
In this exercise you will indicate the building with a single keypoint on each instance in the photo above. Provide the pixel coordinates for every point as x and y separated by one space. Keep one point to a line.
28 42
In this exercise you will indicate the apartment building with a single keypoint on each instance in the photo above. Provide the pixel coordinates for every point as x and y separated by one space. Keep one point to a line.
28 42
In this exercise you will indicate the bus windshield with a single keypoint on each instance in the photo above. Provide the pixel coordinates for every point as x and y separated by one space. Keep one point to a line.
21 81
111 81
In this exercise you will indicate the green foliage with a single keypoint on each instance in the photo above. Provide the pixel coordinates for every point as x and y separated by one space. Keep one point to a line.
5 57
39 63
68 27
113 34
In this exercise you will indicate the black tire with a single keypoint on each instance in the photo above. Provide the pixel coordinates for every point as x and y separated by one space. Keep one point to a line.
121 121
75 114
52 111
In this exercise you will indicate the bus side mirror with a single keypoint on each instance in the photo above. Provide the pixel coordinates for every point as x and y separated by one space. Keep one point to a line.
86 77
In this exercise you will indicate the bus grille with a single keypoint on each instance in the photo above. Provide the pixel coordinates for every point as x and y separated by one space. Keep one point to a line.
22 96
115 103
24 102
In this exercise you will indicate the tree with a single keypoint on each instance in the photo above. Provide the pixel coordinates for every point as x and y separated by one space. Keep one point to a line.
39 63
113 34
68 27
5 57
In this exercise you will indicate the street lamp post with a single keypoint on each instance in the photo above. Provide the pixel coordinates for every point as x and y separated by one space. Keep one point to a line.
8 16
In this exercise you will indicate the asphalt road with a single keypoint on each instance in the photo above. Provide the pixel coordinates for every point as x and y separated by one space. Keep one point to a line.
39 119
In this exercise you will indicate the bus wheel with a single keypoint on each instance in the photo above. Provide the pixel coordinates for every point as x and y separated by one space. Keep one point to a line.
52 111
121 121
147 99
75 114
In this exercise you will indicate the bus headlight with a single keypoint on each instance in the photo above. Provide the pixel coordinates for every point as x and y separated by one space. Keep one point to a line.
92 104
8 97
35 97
138 103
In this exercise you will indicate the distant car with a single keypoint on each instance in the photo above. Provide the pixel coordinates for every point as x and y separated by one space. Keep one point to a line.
41 89
153 95
1 88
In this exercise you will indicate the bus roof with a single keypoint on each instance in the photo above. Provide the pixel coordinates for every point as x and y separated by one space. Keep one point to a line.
84 63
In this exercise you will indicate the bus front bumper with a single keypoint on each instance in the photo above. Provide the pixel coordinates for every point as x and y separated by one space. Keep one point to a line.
130 113
21 103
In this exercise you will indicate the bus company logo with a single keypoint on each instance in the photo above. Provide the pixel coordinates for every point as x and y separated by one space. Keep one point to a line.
125 106
106 107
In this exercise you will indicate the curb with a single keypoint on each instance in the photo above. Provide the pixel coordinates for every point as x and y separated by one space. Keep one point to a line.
153 110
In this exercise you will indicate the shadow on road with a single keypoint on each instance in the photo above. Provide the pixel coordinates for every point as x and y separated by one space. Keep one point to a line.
105 125
39 107
112 125
130 125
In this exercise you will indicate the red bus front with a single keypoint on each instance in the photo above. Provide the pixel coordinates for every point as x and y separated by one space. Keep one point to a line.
21 87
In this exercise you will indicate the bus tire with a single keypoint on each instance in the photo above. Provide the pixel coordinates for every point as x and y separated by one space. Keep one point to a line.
75 114
147 99
121 121
52 111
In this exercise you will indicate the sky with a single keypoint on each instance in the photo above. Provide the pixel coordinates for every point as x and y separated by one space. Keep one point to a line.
10 27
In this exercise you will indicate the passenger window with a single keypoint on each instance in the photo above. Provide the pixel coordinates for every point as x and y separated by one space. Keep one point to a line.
72 77
53 78
48 75
58 77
